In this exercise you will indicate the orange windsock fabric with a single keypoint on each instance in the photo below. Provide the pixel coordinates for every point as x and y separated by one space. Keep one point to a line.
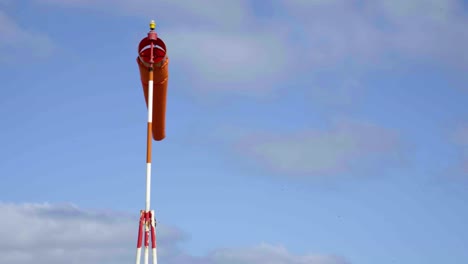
160 80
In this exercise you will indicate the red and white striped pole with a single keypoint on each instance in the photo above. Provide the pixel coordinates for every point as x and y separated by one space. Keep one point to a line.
147 219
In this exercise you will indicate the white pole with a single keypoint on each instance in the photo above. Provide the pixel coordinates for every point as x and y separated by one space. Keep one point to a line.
148 162
153 234
138 256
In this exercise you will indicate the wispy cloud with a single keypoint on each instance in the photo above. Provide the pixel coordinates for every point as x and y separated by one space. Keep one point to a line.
225 46
18 43
170 12
374 31
218 44
349 147
265 253
233 61
53 233
49 233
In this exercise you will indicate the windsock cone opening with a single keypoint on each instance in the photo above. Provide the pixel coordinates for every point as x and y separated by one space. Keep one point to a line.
160 79
144 51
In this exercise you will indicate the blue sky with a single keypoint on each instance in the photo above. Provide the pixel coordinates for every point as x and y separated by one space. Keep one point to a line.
308 132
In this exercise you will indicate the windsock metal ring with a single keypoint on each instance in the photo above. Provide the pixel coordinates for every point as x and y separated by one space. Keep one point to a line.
144 51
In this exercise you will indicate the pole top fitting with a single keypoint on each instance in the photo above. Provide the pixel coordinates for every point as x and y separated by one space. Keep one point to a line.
152 25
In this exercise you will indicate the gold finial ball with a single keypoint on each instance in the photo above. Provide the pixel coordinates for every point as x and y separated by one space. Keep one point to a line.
152 25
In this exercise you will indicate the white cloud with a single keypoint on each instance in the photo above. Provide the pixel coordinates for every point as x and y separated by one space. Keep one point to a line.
229 60
402 11
170 12
218 43
20 44
222 45
335 31
265 253
65 233
51 233
373 32
349 146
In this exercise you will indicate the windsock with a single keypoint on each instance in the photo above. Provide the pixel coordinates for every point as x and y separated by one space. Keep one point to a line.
153 64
